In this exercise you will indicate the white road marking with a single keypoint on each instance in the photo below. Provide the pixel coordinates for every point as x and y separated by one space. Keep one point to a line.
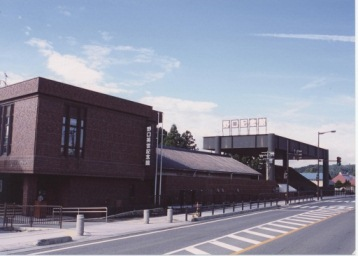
274 230
258 234
195 251
316 215
244 239
226 246
291 223
307 218
299 220
281 226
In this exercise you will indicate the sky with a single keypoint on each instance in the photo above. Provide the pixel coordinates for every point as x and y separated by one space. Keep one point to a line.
199 62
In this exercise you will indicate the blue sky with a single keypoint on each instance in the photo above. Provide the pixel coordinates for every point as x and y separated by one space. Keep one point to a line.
200 62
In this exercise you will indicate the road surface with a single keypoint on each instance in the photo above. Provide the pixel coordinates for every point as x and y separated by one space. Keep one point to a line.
324 227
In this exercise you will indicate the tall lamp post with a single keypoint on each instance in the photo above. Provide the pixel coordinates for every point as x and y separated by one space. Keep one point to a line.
320 133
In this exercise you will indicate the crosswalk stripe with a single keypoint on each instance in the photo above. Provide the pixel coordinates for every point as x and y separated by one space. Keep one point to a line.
316 215
258 234
194 250
274 230
244 239
299 220
226 246
306 217
289 223
282 226
293 223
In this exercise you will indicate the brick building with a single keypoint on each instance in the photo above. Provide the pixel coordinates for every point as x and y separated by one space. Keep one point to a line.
192 176
78 148
74 147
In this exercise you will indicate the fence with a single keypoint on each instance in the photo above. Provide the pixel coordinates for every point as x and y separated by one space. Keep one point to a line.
233 207
91 213
11 214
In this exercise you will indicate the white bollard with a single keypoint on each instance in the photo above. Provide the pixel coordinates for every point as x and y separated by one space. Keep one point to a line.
170 215
146 216
80 224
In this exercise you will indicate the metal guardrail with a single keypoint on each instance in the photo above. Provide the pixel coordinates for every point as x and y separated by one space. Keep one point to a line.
241 206
82 210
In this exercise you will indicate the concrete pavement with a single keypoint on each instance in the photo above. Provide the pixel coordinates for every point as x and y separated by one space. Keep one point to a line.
32 238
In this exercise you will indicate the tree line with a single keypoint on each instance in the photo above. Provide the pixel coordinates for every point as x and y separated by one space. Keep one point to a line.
174 139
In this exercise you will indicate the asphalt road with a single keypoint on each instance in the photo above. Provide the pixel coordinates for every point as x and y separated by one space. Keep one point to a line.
326 227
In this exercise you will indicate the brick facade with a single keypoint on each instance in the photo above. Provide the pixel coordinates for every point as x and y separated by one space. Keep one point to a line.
112 169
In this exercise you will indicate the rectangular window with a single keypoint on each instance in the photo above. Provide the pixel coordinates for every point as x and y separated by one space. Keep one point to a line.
73 131
6 119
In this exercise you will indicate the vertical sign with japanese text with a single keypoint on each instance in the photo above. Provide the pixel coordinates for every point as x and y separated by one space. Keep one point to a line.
148 145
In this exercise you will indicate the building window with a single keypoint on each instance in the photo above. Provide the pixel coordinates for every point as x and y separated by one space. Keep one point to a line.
6 115
73 131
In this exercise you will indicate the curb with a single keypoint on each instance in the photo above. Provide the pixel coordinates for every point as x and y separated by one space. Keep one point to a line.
56 240
233 213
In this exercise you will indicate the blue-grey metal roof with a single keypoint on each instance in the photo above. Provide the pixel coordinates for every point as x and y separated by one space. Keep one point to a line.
178 159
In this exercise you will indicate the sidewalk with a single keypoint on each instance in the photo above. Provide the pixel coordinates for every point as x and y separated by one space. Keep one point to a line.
15 242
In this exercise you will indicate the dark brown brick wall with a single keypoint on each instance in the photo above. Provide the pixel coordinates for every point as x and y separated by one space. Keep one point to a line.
115 131
112 171
114 142
213 189
117 194
21 159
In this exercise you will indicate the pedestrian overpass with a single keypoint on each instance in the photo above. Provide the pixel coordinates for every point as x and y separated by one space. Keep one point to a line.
273 146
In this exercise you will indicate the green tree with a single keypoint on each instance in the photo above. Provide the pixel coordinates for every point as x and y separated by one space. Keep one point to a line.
338 184
253 162
188 141
347 183
174 139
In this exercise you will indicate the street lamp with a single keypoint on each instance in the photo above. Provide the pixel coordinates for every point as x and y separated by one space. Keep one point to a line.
320 133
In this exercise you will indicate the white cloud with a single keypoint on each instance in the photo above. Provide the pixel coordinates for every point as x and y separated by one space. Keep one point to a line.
97 55
337 38
341 143
315 83
196 116
200 118
74 69
173 104
131 66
